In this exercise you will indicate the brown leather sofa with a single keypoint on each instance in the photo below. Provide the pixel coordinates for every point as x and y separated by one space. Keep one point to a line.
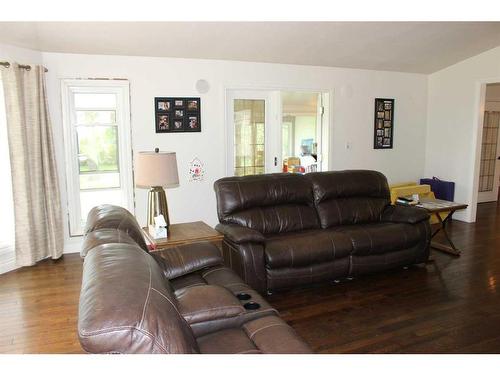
282 230
182 300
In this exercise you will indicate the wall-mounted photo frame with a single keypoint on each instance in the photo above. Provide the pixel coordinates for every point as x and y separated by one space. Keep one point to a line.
177 115
384 124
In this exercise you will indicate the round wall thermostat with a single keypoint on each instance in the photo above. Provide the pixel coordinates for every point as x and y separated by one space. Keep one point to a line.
202 86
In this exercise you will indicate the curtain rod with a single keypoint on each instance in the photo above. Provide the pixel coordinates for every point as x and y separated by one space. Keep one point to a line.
27 67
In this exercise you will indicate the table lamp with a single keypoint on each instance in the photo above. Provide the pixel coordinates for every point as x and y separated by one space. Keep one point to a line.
156 170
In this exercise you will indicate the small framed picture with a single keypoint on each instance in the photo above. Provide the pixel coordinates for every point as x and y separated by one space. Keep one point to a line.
179 113
387 132
380 106
387 124
387 105
387 115
193 123
163 105
178 103
380 114
192 105
387 142
380 124
178 125
162 123
380 141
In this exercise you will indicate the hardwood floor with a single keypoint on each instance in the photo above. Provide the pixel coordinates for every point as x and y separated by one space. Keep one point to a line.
449 306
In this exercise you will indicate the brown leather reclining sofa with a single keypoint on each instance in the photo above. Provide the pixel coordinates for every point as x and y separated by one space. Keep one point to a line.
182 301
283 230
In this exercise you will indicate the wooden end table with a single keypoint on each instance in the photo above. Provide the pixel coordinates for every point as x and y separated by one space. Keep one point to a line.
184 233
435 207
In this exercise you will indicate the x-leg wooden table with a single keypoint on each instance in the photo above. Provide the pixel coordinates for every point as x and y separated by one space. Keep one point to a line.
436 207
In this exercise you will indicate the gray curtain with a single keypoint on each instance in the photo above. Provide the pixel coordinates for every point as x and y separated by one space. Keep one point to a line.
35 187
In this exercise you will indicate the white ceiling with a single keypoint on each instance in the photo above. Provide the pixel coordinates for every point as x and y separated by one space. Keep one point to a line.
420 47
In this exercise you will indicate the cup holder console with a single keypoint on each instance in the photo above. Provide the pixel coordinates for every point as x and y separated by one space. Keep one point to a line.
243 296
251 305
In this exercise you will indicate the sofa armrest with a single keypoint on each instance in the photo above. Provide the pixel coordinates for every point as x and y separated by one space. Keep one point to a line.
208 302
184 259
404 214
239 234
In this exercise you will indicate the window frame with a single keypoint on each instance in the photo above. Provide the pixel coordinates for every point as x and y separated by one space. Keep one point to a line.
122 90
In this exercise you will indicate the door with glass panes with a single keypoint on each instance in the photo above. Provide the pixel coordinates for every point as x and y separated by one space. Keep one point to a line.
274 131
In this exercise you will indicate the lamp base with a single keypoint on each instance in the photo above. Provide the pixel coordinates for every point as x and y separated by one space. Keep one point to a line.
157 205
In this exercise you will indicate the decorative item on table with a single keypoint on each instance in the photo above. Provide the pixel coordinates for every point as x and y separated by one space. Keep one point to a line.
156 170
384 124
177 115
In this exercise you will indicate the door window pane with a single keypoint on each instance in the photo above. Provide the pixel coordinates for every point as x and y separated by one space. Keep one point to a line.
249 136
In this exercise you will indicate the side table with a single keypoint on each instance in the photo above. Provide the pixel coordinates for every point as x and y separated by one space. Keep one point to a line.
184 233
435 207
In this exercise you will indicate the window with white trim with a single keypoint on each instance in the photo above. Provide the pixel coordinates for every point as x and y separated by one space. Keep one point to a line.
96 117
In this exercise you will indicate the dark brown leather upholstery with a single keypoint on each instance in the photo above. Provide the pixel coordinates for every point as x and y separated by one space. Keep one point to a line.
208 302
273 242
113 217
181 300
349 197
178 262
273 203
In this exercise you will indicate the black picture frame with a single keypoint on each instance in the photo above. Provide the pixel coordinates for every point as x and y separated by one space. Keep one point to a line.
384 114
177 114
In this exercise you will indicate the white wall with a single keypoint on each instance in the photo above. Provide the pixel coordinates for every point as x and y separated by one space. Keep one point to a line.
352 116
453 130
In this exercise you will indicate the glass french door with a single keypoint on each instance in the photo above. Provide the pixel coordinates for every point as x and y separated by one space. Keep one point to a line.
273 131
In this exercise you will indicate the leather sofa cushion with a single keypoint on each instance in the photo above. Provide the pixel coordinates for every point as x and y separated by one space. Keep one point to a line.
380 238
277 219
184 259
304 248
107 216
349 197
266 335
272 203
208 302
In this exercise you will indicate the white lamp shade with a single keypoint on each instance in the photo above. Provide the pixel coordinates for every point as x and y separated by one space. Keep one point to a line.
156 169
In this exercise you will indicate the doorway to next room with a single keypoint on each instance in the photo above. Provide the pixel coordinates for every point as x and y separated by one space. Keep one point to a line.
271 131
